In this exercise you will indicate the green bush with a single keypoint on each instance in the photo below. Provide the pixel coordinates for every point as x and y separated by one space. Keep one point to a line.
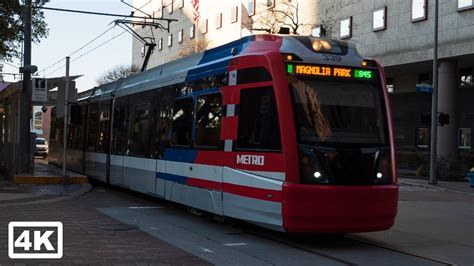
449 168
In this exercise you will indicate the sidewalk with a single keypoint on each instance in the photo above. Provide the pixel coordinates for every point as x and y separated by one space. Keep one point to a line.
408 177
46 185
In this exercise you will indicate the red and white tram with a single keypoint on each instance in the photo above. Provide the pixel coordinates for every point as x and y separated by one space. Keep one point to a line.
289 132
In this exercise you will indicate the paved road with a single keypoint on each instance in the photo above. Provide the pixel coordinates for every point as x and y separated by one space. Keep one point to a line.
431 223
92 237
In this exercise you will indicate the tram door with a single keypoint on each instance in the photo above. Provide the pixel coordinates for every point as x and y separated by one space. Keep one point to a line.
120 128
161 139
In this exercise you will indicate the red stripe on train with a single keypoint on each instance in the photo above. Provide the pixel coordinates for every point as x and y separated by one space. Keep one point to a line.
253 192
201 183
244 191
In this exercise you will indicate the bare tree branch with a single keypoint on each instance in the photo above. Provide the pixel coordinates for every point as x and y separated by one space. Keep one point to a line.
118 72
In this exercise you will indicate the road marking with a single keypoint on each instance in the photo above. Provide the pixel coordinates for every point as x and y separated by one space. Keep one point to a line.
235 244
156 207
207 250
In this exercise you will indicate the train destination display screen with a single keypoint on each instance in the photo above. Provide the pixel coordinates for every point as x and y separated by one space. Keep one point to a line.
330 71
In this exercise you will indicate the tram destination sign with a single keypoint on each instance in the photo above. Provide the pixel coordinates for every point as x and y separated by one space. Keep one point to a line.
330 71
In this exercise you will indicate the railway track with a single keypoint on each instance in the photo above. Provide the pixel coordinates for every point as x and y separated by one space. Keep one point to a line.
335 248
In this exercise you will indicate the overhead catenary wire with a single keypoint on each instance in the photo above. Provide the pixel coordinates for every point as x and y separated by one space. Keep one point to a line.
77 50
86 53
6 63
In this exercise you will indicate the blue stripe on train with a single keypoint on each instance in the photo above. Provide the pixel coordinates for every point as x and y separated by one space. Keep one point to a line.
180 155
170 177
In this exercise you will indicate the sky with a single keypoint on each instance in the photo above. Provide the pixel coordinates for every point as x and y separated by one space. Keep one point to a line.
68 32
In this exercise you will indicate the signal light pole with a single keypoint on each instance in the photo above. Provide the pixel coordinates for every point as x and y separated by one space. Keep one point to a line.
434 102
24 162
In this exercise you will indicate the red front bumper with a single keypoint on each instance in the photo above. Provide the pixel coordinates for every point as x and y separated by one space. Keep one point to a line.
338 209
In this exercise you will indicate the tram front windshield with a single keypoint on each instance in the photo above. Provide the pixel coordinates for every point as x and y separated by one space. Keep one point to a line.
338 112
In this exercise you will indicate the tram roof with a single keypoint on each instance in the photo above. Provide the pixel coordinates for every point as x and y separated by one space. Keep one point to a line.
199 64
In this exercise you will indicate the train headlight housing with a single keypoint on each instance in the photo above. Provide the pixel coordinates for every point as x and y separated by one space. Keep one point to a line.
383 169
320 45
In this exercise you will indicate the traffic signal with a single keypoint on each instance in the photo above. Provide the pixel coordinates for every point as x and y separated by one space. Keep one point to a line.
443 119
426 119
75 115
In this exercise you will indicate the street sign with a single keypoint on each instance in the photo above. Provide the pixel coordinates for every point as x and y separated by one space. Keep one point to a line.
39 92
424 88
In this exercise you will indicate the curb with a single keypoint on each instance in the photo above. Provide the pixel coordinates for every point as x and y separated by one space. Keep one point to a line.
51 180
85 188
414 184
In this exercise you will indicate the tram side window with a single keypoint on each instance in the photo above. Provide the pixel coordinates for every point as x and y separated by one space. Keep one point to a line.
258 120
102 133
80 137
140 136
121 123
182 122
92 130
162 127
208 120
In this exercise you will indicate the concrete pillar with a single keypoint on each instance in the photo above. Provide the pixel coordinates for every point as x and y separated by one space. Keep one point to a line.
447 143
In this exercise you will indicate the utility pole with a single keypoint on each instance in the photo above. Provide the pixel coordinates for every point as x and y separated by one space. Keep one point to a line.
434 103
25 163
66 104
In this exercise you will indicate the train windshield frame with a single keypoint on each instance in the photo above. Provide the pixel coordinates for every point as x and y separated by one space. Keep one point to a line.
337 111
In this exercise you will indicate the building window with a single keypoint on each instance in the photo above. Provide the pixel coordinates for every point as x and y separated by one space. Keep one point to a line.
422 137
390 85
180 36
143 51
466 77
160 44
170 40
192 30
464 139
465 4
379 21
251 7
418 10
170 7
346 28
219 21
234 14
317 31
270 3
204 26
180 3
208 120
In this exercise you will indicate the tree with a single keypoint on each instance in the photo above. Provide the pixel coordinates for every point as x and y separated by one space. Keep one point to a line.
328 22
118 72
285 14
192 47
12 24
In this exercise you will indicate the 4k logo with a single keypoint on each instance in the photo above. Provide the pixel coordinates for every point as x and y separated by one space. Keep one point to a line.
35 240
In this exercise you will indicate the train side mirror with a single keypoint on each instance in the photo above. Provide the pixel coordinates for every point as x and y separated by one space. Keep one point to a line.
75 115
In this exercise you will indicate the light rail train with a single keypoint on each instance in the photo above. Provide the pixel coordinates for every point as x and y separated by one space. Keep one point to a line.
292 133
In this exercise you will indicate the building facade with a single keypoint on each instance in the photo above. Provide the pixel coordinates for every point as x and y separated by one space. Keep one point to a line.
400 35
397 33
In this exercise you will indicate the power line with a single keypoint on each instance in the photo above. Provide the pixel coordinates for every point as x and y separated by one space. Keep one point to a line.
77 50
103 14
86 53
12 65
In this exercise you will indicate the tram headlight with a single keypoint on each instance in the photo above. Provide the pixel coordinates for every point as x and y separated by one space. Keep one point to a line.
321 45
311 172
382 174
